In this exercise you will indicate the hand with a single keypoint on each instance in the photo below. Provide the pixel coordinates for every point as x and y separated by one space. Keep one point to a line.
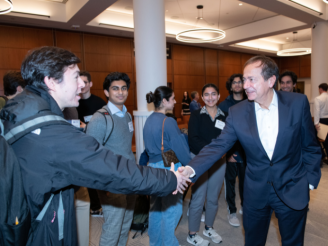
181 180
231 159
82 125
317 126
185 171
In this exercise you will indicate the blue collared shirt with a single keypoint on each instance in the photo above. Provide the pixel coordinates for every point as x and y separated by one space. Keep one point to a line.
115 110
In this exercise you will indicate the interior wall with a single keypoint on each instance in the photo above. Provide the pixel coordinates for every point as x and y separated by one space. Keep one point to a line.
15 42
188 69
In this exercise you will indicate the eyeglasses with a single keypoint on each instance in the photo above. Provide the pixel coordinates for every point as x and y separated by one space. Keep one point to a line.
237 82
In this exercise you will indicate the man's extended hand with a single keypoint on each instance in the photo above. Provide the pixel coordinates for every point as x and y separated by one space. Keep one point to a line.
186 171
181 180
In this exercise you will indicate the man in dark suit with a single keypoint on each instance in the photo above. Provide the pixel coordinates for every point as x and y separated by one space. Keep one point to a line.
283 156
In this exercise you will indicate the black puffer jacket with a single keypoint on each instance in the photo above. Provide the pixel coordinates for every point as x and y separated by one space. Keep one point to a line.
59 156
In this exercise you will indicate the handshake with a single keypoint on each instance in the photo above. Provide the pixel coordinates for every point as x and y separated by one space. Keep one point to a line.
182 174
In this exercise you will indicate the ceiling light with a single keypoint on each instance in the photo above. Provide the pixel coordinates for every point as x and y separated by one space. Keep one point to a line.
7 10
188 39
296 51
287 38
325 1
23 13
293 1
240 4
200 34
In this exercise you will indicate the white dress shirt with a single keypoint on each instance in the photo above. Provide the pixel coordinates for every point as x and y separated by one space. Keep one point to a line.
320 107
268 124
116 110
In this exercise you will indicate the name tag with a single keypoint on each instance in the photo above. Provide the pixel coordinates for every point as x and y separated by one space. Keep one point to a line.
131 126
219 124
75 123
87 118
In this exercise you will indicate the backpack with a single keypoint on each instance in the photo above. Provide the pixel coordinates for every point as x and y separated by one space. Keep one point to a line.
15 217
103 111
141 214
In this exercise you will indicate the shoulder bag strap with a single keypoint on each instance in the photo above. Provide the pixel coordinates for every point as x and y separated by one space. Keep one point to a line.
162 148
104 114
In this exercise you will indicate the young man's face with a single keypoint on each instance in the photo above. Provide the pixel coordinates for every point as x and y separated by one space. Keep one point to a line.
87 83
237 85
117 93
286 84
66 93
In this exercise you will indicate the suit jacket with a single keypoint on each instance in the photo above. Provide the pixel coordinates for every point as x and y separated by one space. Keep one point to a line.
296 158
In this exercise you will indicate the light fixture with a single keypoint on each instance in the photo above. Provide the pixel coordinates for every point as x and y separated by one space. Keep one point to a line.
7 10
240 4
296 51
325 1
23 13
194 35
293 1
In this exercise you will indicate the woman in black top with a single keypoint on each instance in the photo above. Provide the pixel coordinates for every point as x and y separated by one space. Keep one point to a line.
206 124
185 103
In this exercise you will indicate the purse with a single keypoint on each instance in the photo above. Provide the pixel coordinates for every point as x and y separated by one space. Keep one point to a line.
168 156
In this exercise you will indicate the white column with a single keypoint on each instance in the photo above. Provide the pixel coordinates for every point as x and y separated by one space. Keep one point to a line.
319 57
150 56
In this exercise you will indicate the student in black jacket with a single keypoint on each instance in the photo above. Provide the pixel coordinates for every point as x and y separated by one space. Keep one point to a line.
206 124
236 164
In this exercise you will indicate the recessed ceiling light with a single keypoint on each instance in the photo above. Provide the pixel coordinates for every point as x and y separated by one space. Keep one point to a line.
174 17
325 1
240 4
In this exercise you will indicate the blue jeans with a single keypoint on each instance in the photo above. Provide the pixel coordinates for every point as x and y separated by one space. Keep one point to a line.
164 215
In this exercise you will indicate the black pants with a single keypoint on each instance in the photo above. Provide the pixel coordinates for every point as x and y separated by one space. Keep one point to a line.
233 170
94 199
257 221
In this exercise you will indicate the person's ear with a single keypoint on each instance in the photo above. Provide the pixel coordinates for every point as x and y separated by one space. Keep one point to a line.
271 81
219 97
50 82
91 84
106 93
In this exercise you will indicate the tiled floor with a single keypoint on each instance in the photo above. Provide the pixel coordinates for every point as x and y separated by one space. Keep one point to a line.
316 229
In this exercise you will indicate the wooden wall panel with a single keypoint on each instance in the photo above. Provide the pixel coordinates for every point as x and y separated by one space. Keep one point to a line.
305 66
104 55
15 42
188 72
72 41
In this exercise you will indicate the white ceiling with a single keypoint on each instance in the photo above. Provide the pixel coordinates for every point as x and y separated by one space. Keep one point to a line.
259 24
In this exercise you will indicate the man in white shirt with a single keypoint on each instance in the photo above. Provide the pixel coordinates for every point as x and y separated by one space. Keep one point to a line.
283 156
321 106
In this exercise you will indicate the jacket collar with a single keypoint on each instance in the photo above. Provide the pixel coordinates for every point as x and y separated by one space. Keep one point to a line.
53 106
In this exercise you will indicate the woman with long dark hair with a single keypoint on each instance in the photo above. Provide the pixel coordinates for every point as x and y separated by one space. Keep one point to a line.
206 124
165 212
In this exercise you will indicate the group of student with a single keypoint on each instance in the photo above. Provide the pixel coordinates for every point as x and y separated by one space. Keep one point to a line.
57 158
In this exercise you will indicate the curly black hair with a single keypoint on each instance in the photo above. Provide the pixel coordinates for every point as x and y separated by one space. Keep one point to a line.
230 80
290 74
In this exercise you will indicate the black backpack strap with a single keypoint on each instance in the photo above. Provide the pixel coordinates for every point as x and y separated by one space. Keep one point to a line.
105 113
22 129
